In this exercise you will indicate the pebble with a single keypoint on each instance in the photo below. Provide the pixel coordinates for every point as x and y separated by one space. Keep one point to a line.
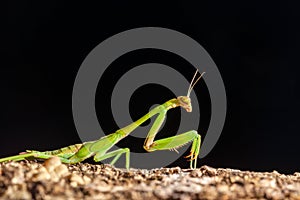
61 170
41 175
52 163
76 180
86 179
18 177
208 170
196 173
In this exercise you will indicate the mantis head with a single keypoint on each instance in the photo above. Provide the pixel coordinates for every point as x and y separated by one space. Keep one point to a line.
185 101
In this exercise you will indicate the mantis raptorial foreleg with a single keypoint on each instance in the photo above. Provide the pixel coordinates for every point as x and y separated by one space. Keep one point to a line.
172 143
99 148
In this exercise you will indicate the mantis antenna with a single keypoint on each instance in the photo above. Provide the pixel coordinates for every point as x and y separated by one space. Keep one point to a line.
192 84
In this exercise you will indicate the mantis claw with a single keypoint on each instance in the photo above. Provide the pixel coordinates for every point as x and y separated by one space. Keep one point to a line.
188 155
192 155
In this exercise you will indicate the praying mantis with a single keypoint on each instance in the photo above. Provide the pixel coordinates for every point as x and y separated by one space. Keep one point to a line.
99 148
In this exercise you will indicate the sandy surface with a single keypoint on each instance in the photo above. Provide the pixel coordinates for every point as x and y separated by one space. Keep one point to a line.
53 180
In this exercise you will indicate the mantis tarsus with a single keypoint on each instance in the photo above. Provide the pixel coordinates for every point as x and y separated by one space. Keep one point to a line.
98 148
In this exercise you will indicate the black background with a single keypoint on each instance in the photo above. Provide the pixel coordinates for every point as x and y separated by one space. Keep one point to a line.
255 45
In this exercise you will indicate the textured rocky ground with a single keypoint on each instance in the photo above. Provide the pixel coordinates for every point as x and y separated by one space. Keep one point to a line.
53 180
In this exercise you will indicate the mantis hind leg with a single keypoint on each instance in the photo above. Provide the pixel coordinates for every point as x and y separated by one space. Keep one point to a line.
177 141
32 154
117 153
17 157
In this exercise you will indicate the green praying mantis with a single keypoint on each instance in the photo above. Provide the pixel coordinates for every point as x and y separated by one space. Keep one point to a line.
99 148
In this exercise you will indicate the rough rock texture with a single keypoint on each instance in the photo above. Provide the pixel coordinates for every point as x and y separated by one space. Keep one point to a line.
53 180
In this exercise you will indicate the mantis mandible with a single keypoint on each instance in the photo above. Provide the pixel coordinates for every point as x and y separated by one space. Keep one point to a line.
99 148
